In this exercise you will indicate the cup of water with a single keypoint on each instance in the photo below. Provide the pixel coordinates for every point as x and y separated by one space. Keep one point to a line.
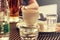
51 22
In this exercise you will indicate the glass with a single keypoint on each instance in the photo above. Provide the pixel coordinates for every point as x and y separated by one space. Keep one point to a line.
4 20
14 10
28 33
29 28
51 22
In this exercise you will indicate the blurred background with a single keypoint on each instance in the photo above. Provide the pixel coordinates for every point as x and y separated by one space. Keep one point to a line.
49 6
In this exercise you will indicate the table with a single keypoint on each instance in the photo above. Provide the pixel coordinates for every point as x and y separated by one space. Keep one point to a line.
14 34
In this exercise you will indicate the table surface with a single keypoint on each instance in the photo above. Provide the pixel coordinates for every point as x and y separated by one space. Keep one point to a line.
43 27
14 34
